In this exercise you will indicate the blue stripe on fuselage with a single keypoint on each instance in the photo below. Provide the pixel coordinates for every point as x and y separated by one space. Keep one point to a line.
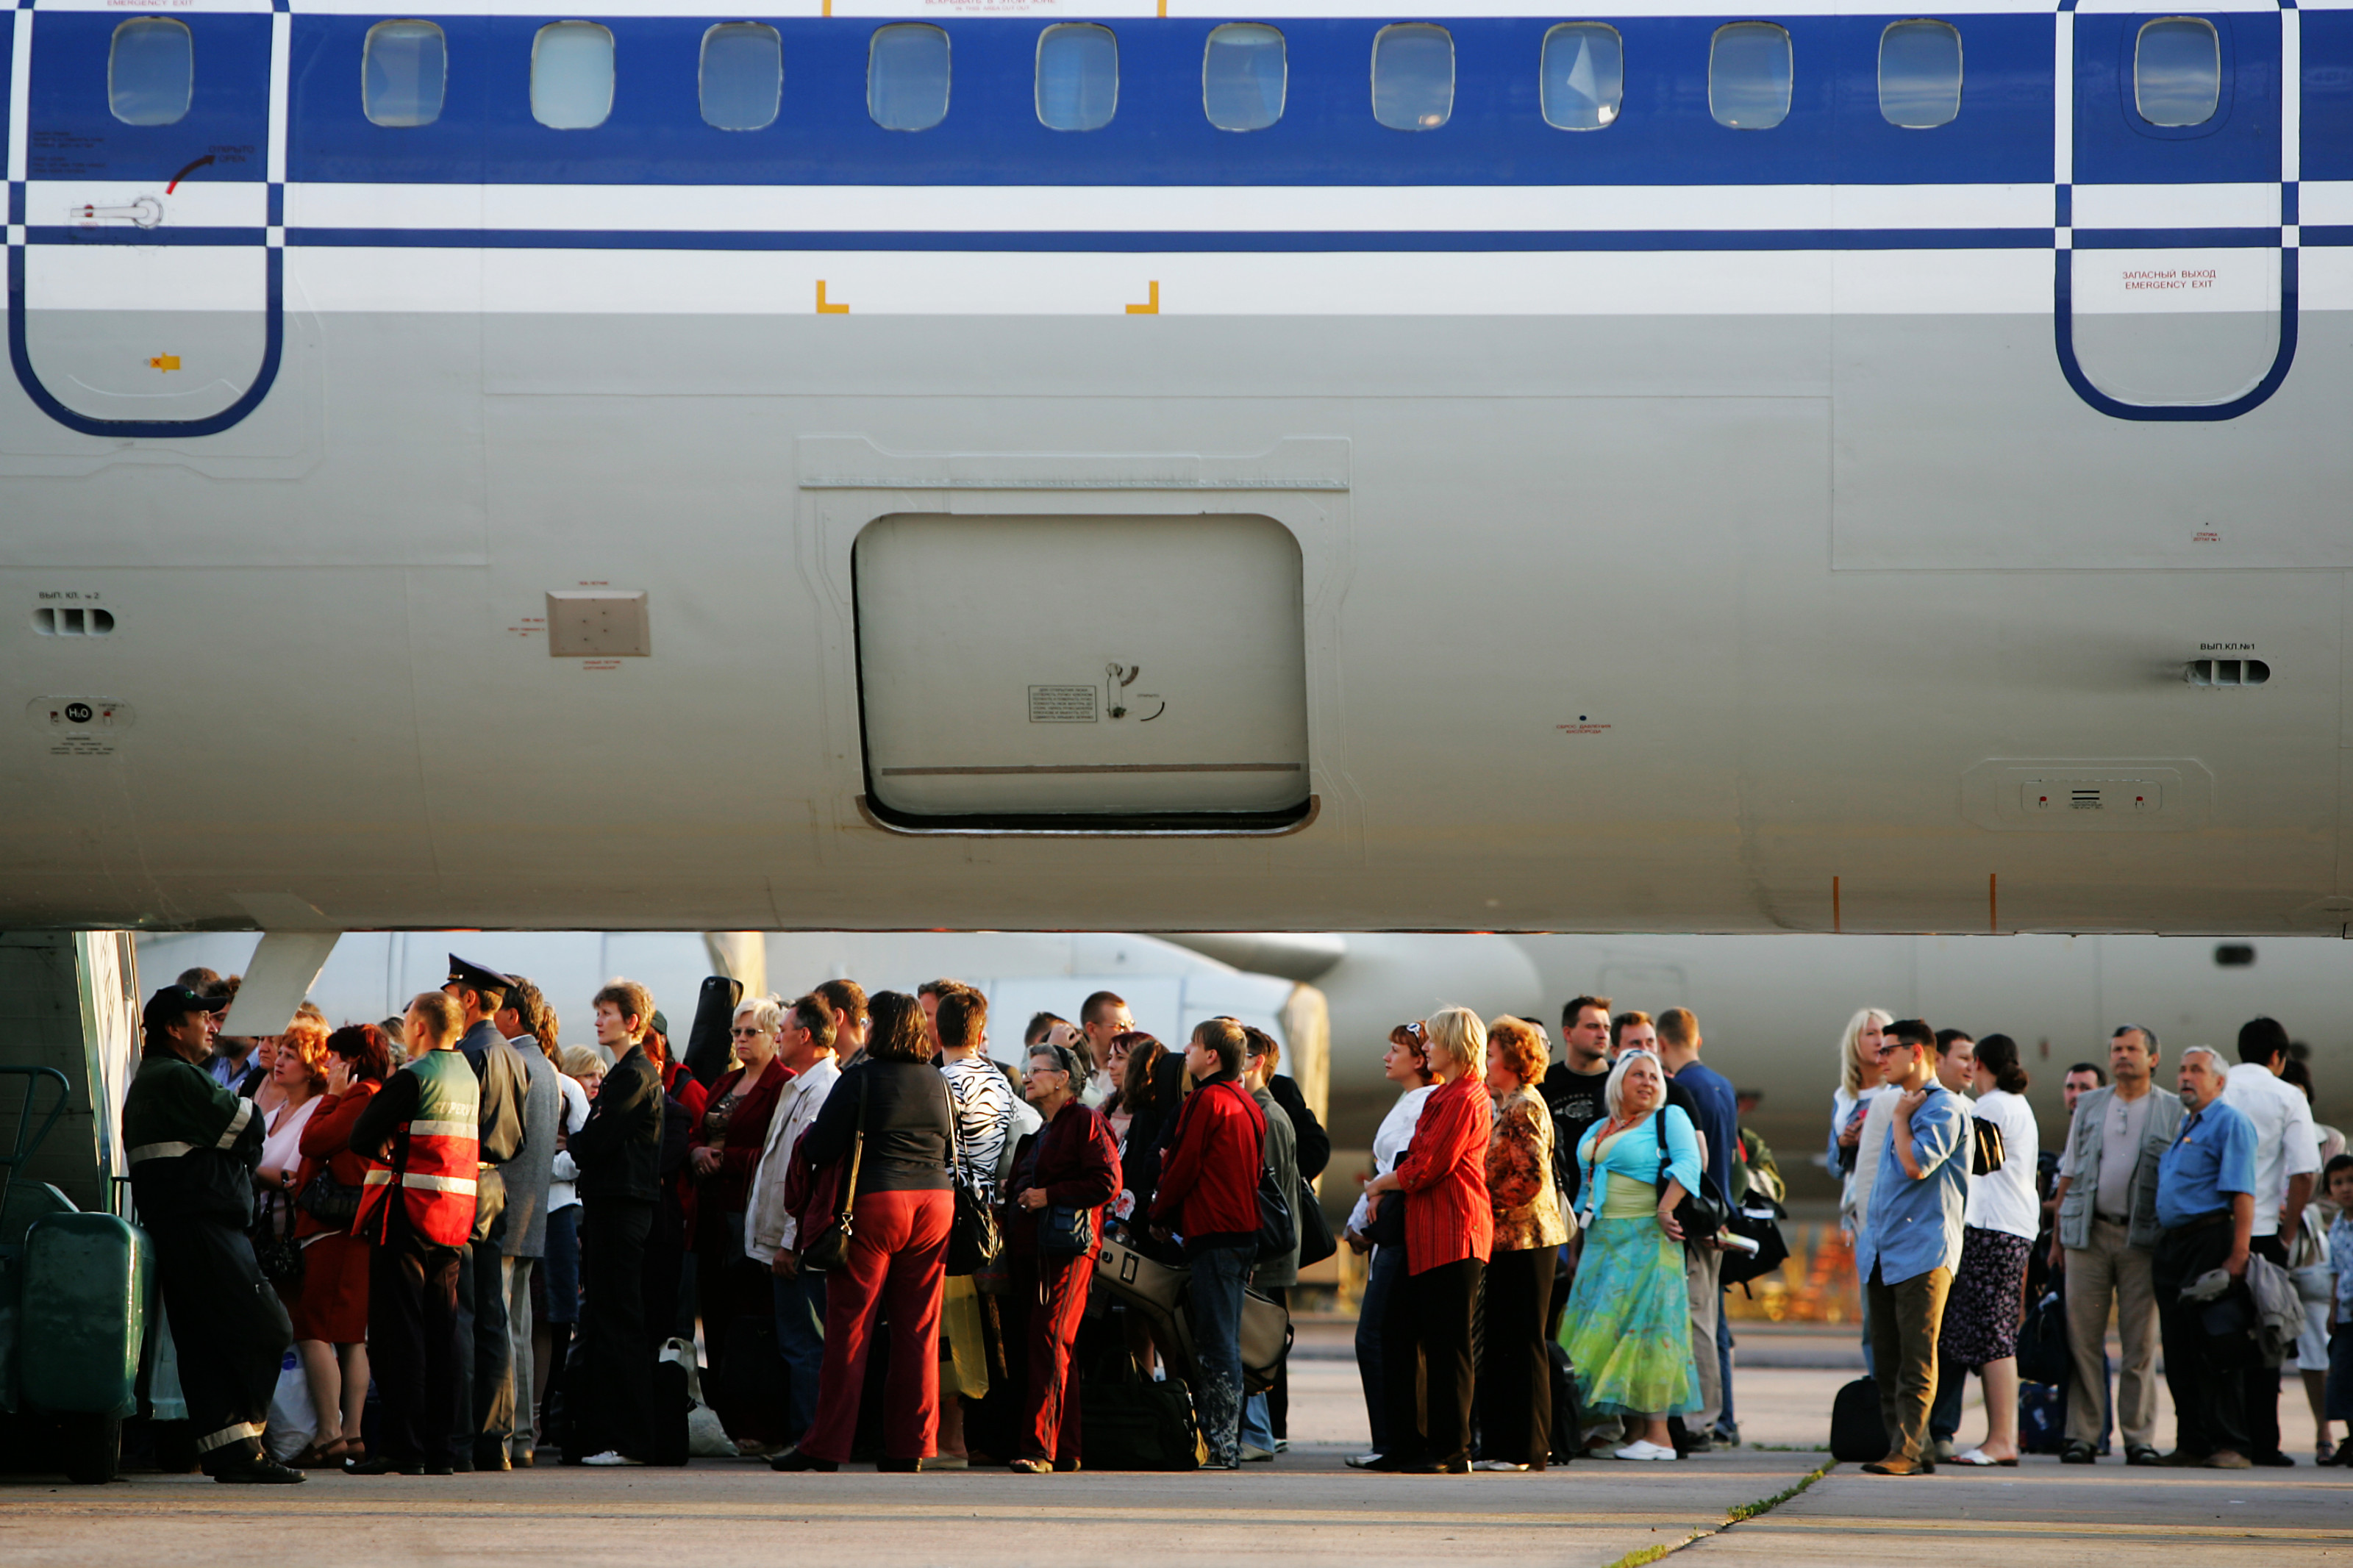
1497 136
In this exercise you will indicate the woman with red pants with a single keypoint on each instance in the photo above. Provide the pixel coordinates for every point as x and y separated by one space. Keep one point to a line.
1070 1164
899 1241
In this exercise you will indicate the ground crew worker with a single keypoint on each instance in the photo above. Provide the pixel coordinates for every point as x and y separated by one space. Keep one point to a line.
486 1404
192 1149
421 1133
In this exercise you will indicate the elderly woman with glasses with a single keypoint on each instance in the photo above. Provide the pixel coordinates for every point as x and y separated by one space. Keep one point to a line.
1062 1176
1627 1327
722 1150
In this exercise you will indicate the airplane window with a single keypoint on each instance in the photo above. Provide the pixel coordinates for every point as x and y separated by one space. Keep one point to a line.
743 75
404 72
2178 71
151 71
572 76
1748 75
1920 74
1413 76
907 77
1244 71
1583 75
1078 77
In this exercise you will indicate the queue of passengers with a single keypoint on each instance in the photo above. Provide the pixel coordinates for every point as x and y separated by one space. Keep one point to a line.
2201 1217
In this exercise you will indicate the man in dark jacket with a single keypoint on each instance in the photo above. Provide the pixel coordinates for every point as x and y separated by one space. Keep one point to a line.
193 1148
1208 1194
618 1152
486 1407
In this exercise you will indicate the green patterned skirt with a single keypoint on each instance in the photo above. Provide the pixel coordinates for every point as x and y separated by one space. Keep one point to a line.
1627 1327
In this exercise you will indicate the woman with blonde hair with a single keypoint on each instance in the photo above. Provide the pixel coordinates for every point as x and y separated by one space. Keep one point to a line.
1627 1327
1515 1367
1859 1085
1449 1228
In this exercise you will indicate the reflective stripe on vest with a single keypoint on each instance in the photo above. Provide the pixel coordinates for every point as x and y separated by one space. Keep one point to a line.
435 1169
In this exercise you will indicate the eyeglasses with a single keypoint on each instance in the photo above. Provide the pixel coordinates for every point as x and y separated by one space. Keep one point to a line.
744 1034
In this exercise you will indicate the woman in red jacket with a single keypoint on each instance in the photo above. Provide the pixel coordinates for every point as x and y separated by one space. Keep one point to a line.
330 1314
722 1151
1071 1164
1449 1228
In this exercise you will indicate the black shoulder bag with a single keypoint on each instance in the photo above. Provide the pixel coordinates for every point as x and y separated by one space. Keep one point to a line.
975 1239
827 1249
1701 1214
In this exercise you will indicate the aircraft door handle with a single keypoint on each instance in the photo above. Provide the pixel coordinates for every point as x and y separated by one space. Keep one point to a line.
146 213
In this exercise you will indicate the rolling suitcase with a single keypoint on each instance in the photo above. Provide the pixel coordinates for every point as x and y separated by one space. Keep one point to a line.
1858 1432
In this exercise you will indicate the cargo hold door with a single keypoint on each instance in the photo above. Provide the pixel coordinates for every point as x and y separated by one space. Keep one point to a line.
144 269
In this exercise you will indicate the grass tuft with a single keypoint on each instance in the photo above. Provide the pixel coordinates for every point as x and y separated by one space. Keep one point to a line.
1641 1555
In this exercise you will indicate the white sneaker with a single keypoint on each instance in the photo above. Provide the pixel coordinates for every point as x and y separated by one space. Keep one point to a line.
1254 1455
610 1457
1643 1449
1363 1461
1499 1464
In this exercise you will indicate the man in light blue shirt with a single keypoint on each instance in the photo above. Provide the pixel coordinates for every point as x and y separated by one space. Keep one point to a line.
2206 1210
1911 1242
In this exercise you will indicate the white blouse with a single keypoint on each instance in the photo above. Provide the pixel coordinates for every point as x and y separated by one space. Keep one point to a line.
1389 1143
2005 1201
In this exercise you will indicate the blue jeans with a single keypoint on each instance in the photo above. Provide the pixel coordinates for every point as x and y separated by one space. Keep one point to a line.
1384 1267
1725 1423
800 1340
1214 1302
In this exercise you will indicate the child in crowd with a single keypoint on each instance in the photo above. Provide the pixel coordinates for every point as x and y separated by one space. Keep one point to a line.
2338 1180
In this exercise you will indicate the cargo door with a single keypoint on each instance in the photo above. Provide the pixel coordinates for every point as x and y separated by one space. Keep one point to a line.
145 282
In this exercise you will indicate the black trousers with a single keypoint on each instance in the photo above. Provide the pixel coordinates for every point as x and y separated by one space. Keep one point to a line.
2206 1373
1425 1345
486 1413
1514 1366
611 1395
2261 1382
413 1342
229 1329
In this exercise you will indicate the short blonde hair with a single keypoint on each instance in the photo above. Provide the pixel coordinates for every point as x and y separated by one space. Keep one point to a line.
439 1013
1458 1032
767 1013
1614 1092
581 1062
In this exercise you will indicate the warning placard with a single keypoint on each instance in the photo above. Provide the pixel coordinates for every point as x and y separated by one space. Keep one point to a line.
1061 705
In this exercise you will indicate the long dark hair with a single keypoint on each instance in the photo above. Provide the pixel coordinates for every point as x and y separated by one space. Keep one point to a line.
898 1033
364 1046
1144 1054
1998 1054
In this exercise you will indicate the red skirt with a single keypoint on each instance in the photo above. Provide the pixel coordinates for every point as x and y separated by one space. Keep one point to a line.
334 1302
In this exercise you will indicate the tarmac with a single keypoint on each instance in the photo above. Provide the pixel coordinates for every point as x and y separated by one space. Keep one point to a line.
1305 1509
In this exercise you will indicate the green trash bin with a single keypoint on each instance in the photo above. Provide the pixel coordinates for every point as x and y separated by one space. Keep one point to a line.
81 1325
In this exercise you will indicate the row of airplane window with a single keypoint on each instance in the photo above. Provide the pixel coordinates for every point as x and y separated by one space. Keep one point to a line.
1245 75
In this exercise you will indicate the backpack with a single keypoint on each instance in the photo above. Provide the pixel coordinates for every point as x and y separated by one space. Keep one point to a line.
1858 1429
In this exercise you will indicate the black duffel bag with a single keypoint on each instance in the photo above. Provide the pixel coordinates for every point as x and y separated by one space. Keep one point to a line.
1763 1228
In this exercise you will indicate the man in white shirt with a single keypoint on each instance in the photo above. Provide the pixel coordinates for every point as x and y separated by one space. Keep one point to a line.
1102 1018
2287 1158
805 1044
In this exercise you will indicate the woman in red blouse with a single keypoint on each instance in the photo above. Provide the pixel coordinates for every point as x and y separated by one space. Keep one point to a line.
330 1315
722 1151
1449 1229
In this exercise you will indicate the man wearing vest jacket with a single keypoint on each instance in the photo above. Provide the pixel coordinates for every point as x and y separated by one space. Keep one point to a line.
1208 1196
193 1148
422 1131
486 1405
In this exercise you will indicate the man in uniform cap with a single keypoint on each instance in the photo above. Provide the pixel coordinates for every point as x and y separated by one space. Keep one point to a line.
192 1149
486 1402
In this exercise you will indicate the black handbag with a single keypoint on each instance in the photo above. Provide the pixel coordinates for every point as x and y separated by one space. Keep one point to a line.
1316 1241
326 1199
1701 1214
1987 1151
975 1238
827 1247
1066 1230
1387 1226
1763 1228
278 1254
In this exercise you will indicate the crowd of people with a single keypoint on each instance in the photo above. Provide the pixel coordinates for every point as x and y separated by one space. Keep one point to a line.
2210 1220
488 1249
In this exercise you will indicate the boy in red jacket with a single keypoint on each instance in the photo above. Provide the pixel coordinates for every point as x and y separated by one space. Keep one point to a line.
1209 1197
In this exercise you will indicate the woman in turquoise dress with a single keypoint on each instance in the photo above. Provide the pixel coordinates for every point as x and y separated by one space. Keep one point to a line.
1628 1326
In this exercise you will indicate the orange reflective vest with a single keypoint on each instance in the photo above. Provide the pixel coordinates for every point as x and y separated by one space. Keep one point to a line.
436 1158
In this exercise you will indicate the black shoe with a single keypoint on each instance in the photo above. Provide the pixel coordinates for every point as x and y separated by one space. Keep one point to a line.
793 1459
432 1469
2078 1453
377 1465
258 1473
2276 1460
1728 1437
890 1466
2140 1454
488 1457
1699 1443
